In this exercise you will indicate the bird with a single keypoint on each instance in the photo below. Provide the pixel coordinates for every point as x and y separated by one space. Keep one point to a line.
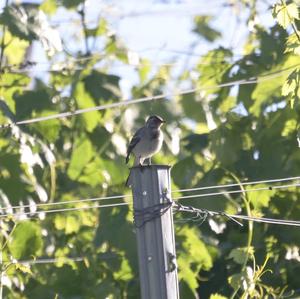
146 142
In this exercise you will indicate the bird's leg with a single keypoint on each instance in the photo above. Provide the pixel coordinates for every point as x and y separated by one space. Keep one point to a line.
148 161
141 161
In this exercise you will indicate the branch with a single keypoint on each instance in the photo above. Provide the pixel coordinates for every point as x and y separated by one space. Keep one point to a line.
84 28
2 47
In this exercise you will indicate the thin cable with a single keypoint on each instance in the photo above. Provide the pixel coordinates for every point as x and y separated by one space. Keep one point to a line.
50 260
266 220
63 210
204 213
96 199
47 204
54 260
236 191
251 80
237 184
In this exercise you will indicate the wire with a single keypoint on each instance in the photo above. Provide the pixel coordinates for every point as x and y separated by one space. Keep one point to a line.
266 220
63 210
55 260
236 191
50 260
66 202
188 209
124 203
96 199
237 184
251 80
204 213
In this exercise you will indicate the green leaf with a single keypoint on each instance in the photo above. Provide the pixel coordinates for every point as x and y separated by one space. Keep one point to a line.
101 86
293 44
235 280
11 182
203 28
71 3
30 101
16 19
69 223
125 272
49 6
23 268
144 69
260 199
81 155
192 107
100 30
48 129
29 23
292 83
217 296
190 261
239 255
285 14
225 145
93 173
189 168
195 143
84 100
26 240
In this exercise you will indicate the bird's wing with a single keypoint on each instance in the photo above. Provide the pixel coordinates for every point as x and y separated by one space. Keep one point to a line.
134 141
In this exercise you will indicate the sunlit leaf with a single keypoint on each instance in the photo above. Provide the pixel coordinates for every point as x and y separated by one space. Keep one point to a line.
23 268
81 155
49 6
285 14
84 100
217 296
26 240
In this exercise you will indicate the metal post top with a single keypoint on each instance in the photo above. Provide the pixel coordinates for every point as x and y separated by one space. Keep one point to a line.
152 167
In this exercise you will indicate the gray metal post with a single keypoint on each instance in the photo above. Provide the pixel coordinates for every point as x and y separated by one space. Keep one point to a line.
155 232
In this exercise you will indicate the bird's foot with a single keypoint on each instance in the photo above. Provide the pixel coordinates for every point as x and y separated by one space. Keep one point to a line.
141 167
148 161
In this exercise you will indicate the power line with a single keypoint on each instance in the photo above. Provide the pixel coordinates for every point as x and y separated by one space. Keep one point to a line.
186 209
251 80
97 199
238 184
58 203
237 191
204 213
20 214
124 203
61 259
266 220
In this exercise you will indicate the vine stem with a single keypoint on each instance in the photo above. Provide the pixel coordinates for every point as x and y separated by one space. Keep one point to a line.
250 234
2 47
84 28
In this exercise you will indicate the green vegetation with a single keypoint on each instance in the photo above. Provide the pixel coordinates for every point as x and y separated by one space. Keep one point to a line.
83 157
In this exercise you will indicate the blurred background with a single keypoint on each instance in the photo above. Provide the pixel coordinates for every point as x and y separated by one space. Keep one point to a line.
224 74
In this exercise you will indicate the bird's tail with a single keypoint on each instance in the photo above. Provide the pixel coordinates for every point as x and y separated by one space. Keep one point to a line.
128 181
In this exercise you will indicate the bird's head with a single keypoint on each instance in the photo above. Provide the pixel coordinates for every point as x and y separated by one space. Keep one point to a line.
154 122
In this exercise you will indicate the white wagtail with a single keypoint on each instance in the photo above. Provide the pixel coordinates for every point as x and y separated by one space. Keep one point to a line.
146 142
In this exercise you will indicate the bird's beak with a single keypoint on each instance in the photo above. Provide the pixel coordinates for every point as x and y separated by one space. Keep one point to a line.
163 121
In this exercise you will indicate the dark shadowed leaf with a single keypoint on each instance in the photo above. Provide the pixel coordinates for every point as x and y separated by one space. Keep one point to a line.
102 86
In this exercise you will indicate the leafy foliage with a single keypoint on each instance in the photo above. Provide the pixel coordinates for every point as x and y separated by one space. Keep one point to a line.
229 133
